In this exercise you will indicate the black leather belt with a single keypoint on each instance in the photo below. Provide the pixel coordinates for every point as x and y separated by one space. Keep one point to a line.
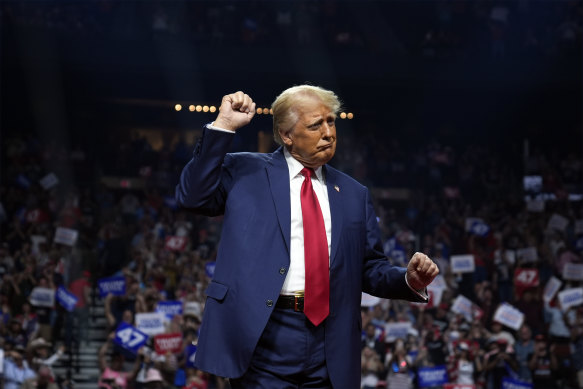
290 302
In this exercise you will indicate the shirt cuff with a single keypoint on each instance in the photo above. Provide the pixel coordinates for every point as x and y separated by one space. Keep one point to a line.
421 292
211 127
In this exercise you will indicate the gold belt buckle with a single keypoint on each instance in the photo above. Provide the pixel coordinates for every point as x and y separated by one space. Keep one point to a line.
296 299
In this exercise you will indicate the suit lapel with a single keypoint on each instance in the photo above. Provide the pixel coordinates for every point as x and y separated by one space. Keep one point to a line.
336 206
278 175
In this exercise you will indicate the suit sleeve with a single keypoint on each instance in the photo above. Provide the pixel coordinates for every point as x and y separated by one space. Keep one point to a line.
205 178
379 277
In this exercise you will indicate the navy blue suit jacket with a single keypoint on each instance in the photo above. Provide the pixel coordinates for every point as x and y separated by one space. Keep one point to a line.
252 191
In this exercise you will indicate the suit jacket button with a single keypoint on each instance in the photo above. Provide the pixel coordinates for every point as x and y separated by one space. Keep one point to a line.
282 271
269 303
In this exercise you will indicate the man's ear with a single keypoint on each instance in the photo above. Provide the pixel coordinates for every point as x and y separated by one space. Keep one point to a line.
286 138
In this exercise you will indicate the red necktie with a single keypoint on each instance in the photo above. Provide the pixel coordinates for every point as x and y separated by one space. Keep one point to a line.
316 258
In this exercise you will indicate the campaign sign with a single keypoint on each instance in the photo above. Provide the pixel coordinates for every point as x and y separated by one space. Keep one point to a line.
573 271
510 383
432 376
209 269
551 288
509 316
175 243
66 236
168 343
397 330
557 222
42 297
528 254
49 181
477 226
526 278
510 256
170 308
463 306
150 323
570 298
535 206
434 296
190 355
462 263
67 299
366 300
114 285
438 283
130 338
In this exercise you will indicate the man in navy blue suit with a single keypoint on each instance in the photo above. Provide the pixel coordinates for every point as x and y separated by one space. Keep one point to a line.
300 242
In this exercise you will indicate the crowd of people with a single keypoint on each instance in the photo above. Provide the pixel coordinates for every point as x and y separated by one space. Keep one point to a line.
125 231
441 29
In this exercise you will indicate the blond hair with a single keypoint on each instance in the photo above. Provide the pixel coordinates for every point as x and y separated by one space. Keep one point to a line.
285 115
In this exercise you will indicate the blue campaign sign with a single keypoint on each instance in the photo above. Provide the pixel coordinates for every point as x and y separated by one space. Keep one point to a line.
170 308
395 251
190 355
432 376
113 285
510 383
67 299
479 228
130 338
210 269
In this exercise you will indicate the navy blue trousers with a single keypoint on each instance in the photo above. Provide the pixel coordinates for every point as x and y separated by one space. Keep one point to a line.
290 354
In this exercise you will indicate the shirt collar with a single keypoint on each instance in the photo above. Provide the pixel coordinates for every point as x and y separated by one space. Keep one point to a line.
295 167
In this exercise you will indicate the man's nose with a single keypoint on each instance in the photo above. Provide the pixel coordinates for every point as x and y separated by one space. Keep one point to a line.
327 131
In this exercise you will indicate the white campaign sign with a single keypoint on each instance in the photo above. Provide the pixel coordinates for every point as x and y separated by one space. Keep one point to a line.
150 323
66 236
462 263
48 181
42 297
535 206
509 316
551 288
573 271
367 300
463 306
438 283
528 254
570 298
557 222
397 330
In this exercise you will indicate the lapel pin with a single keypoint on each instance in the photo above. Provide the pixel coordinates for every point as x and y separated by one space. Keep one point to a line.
337 188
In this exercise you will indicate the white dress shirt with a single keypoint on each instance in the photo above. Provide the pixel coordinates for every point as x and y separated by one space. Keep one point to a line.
295 278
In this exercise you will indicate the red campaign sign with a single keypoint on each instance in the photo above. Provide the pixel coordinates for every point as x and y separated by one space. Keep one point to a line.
526 278
165 343
175 243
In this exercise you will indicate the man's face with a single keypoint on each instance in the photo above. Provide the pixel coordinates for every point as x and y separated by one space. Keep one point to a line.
312 141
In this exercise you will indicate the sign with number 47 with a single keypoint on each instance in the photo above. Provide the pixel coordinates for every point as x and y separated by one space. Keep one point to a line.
526 277
129 337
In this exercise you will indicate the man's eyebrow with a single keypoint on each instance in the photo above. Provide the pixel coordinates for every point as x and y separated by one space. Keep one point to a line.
317 122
